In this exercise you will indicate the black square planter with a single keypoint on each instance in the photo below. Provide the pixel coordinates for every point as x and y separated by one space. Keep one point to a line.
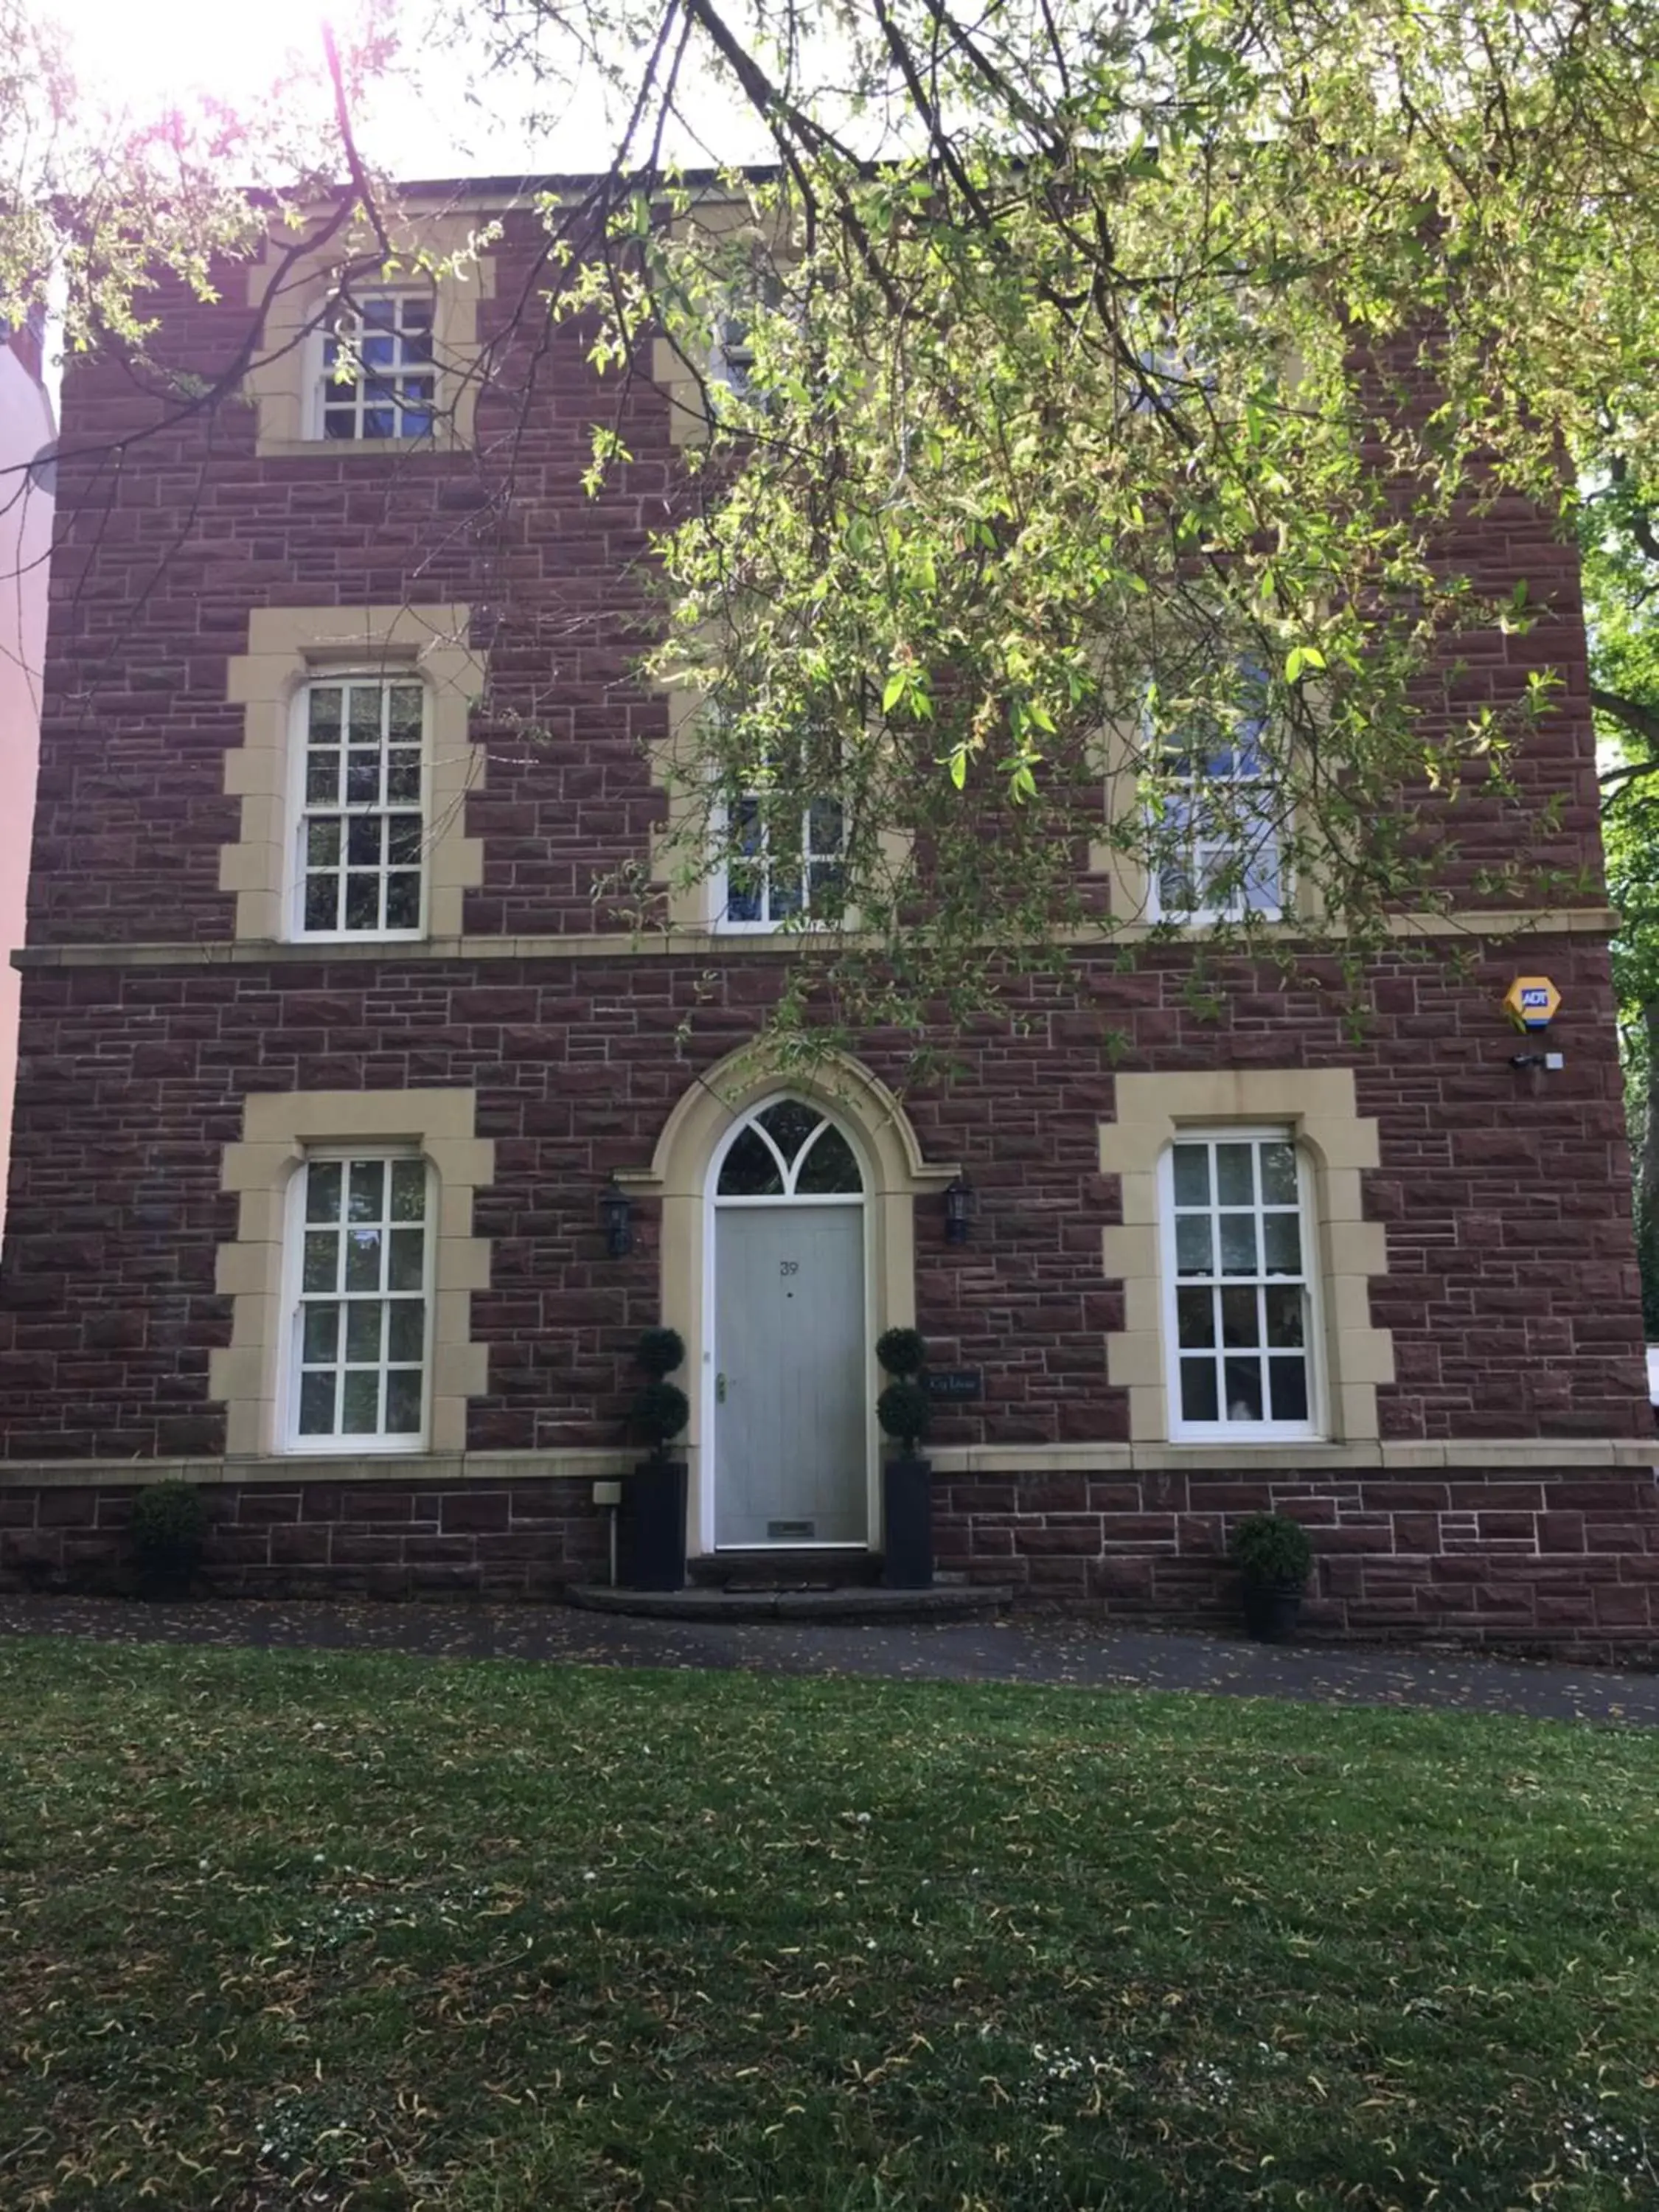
907 1513
651 1527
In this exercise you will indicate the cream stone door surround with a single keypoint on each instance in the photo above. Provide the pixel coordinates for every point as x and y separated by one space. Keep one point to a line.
678 1176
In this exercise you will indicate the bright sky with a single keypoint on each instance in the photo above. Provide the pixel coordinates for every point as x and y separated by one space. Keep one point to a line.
139 58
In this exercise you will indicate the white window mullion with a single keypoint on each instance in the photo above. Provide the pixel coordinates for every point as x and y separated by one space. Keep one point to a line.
361 1237
1240 1293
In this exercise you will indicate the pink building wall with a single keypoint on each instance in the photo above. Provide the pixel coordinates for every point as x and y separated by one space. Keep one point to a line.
26 507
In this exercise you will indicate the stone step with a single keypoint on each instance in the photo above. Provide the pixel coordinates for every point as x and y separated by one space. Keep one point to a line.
777 1567
943 1602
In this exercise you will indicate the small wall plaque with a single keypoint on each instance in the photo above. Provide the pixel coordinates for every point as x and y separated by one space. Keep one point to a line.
954 1382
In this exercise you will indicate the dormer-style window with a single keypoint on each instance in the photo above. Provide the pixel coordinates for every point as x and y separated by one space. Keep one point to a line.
361 825
377 379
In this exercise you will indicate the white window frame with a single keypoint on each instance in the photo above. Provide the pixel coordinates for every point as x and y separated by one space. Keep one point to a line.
339 1444
767 925
1313 1429
1237 907
320 380
299 808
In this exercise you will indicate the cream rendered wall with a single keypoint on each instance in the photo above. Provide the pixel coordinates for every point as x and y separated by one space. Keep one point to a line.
25 426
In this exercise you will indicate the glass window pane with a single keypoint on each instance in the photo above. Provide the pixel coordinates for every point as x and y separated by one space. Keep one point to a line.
322 779
323 841
826 889
362 778
367 1198
379 422
1289 1387
402 1401
363 833
363 715
378 351
360 1411
319 1272
1194 1318
408 1256
403 839
788 892
323 1180
1191 1174
408 1190
1175 895
825 828
1234 1180
1198 1392
323 715
1240 1322
379 311
363 1331
416 313
403 899
406 1329
789 1124
1192 1243
322 902
1278 1165
403 777
322 1334
1239 1245
1244 1388
317 1403
404 713
1285 1310
339 422
1282 1236
751 1168
362 901
362 1260
830 1166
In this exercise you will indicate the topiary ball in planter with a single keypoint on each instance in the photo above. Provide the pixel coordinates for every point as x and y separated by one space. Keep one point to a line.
904 1411
169 1536
661 1409
660 1351
902 1352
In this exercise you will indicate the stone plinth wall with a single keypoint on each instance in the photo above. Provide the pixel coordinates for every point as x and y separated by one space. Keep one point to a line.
1568 1560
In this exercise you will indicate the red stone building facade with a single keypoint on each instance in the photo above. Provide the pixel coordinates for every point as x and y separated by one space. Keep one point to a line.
332 1050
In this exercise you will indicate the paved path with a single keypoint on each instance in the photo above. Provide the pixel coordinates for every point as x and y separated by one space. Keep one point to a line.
1032 1648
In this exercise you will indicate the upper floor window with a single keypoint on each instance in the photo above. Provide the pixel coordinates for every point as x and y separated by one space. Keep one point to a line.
378 377
1217 856
360 1248
362 828
1238 1290
782 870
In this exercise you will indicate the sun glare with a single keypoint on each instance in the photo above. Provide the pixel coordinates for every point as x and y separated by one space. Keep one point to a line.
140 60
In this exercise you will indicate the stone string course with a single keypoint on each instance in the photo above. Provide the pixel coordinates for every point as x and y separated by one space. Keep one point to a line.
1569 1558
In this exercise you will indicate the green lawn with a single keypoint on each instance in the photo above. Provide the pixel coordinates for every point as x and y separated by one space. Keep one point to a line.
284 1931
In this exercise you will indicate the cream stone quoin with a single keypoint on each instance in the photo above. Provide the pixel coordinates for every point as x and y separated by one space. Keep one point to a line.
280 1129
895 1174
1317 1106
289 648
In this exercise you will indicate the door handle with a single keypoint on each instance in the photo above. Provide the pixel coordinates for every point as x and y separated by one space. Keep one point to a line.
719 1389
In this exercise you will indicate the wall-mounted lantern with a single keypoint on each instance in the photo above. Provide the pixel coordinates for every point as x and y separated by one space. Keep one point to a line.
961 1208
618 1209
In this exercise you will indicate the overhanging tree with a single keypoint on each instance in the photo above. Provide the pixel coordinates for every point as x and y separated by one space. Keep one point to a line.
1116 381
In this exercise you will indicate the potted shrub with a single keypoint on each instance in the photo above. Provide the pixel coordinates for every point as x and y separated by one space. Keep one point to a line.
651 1520
1275 1558
169 1535
903 1410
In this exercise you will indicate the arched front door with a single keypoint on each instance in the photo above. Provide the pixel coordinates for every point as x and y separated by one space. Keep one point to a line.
790 1421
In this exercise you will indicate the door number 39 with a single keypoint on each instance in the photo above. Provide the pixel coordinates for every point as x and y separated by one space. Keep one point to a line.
789 1267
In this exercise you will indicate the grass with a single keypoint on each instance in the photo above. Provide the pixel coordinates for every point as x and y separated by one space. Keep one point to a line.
287 1930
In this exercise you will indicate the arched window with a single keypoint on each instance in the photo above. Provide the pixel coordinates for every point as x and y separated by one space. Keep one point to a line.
789 1150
